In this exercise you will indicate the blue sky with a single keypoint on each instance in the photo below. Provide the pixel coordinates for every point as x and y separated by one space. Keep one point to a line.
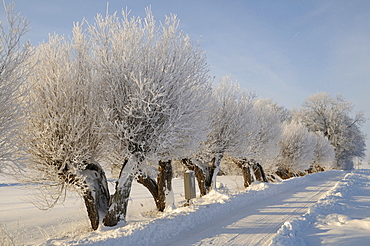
284 50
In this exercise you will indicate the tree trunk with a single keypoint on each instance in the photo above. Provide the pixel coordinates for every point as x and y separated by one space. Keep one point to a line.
284 174
161 189
258 172
214 169
263 174
246 170
247 174
119 201
165 193
96 193
151 185
199 174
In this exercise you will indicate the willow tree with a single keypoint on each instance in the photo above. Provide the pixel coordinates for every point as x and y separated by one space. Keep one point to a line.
62 132
156 88
264 146
297 149
230 127
324 154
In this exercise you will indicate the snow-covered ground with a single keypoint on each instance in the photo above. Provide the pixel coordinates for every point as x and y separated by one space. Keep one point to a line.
224 217
21 223
342 217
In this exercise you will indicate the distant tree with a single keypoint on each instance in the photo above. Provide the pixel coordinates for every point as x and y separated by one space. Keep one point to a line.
63 133
156 88
324 158
331 116
297 148
354 146
14 68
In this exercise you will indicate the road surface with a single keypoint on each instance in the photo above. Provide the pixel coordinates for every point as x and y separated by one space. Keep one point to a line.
257 223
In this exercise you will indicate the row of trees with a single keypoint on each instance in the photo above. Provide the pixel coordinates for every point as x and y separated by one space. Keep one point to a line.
127 96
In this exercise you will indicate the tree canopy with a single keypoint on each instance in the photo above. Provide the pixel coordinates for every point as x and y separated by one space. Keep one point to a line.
332 116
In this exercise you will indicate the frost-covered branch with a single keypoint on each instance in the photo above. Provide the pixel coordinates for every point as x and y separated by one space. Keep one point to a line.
14 68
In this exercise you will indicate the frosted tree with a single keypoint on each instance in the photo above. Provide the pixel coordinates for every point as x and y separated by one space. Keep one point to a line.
264 147
354 144
231 127
324 155
156 86
63 133
332 117
14 68
263 144
297 148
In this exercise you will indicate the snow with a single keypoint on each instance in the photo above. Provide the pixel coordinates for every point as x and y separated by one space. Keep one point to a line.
342 217
337 213
21 221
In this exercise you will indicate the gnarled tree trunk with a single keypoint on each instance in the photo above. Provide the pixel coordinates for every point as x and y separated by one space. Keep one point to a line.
165 192
95 193
245 167
215 168
151 185
119 201
161 189
251 171
94 186
259 173
284 174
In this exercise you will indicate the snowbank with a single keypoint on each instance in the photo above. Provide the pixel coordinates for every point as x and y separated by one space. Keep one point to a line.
342 217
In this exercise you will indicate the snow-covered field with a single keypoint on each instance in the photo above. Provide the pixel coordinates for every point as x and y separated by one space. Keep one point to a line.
21 223
341 217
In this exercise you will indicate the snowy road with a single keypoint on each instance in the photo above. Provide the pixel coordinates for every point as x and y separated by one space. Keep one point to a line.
258 222
227 217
